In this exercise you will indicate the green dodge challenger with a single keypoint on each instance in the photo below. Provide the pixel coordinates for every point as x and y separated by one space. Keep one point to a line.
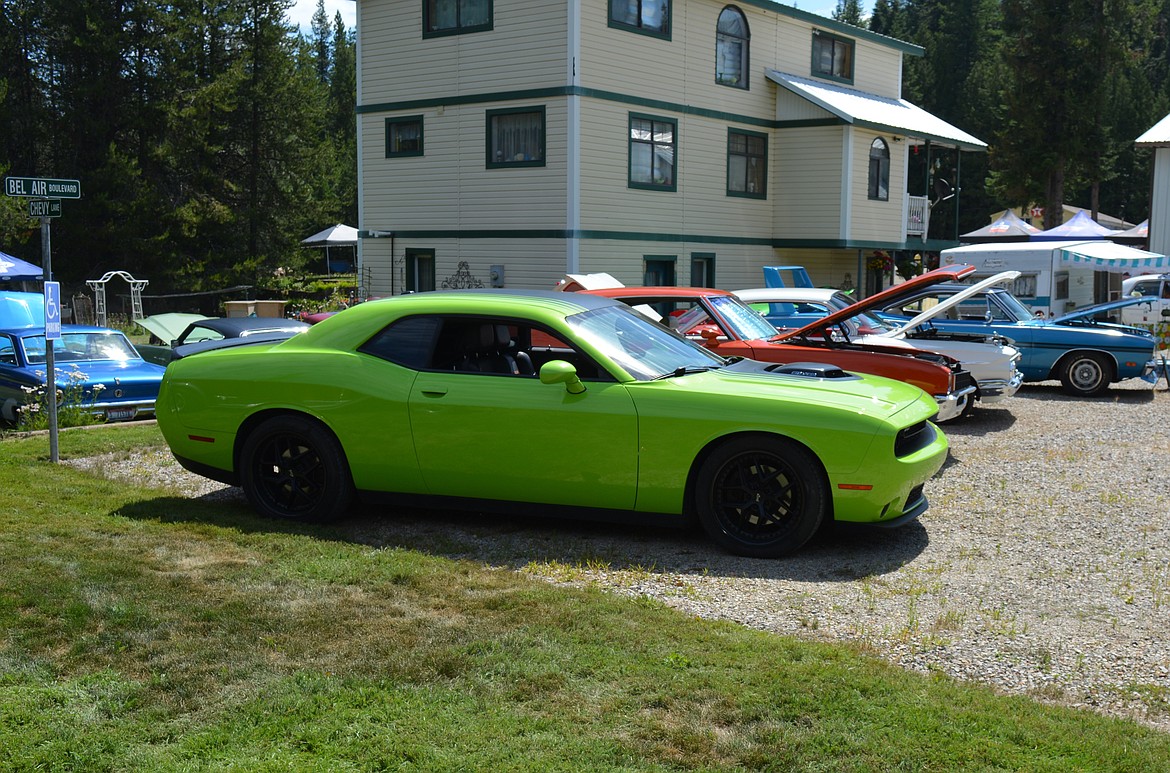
553 403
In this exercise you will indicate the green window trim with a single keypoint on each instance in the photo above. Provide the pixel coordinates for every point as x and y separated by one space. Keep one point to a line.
470 16
638 17
638 145
398 141
702 263
414 282
754 148
841 57
531 147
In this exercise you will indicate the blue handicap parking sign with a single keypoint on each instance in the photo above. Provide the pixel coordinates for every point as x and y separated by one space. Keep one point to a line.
53 310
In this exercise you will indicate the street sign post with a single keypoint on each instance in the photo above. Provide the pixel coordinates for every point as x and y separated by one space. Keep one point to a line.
47 194
44 208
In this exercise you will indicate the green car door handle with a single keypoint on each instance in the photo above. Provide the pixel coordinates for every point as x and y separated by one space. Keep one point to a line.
438 391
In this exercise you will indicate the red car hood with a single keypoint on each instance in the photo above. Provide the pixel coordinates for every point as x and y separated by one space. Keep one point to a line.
885 298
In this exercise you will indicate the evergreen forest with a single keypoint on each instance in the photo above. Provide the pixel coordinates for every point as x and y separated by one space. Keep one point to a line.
211 136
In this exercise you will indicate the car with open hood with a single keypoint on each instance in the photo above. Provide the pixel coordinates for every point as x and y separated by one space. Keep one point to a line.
1082 349
549 403
726 325
96 366
179 335
812 311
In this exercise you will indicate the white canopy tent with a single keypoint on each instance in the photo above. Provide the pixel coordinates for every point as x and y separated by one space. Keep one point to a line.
334 236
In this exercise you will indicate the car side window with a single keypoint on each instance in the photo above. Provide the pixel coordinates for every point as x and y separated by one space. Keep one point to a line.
408 342
7 351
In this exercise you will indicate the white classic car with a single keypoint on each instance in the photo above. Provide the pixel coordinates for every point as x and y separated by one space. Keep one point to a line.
991 360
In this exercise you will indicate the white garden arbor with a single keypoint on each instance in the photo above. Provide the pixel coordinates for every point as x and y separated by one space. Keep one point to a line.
99 295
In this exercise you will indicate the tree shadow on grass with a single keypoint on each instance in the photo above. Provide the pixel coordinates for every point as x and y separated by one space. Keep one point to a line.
844 553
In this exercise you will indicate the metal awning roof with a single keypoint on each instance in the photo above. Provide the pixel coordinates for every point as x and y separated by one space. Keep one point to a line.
1158 134
886 114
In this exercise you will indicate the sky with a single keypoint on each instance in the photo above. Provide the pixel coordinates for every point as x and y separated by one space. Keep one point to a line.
301 12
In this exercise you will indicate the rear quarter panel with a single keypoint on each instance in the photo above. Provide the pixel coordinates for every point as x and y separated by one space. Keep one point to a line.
361 399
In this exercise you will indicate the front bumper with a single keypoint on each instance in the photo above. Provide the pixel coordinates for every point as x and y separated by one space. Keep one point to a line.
951 406
995 391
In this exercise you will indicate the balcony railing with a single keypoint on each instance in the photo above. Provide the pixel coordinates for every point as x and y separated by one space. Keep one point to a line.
917 216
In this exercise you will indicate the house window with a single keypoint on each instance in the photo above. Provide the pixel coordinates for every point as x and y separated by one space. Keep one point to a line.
832 56
404 136
702 269
747 164
731 48
879 170
659 271
420 270
453 17
650 17
515 137
652 153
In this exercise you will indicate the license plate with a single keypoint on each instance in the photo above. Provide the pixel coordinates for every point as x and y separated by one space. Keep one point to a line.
121 414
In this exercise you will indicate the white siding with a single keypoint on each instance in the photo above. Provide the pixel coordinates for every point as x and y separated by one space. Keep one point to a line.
874 220
450 185
525 49
806 183
1160 203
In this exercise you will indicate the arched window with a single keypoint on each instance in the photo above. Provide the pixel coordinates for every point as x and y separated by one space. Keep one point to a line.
731 48
879 170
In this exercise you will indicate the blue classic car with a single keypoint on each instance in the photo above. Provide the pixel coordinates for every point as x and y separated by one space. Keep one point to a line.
1082 349
98 364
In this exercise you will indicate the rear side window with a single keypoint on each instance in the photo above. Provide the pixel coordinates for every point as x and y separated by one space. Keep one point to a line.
407 342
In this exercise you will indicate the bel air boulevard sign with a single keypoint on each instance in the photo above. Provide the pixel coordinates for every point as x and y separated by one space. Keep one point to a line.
42 187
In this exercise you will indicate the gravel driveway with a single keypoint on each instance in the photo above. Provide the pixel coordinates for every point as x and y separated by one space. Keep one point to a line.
1042 566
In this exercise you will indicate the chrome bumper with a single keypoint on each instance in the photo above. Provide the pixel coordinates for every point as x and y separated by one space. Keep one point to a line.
951 406
997 391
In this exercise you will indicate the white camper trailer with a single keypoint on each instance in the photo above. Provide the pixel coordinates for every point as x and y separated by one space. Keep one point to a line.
1056 277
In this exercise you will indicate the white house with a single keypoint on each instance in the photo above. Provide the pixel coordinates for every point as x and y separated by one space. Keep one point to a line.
510 142
1158 138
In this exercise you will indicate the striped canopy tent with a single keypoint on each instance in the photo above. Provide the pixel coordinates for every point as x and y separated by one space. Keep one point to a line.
1105 255
1079 226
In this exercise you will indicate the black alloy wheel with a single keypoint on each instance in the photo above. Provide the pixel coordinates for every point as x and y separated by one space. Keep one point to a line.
292 467
761 496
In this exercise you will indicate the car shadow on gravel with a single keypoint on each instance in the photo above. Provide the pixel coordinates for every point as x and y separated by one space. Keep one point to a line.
843 553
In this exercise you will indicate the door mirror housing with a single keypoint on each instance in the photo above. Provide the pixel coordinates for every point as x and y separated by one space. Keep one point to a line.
561 372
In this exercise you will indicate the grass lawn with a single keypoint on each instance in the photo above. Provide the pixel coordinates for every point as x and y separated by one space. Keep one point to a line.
146 631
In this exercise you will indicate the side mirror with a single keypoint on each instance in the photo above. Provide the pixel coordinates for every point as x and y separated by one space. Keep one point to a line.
561 372
710 336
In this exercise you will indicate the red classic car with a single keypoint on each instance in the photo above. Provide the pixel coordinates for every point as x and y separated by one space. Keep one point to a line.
731 328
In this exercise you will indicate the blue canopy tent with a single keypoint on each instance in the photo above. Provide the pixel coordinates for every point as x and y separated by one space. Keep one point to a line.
15 268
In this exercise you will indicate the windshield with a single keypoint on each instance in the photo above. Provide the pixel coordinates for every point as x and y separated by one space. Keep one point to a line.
643 349
745 322
74 347
1015 307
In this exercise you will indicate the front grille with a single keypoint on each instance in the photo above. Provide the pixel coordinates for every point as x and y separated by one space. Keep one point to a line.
963 379
913 438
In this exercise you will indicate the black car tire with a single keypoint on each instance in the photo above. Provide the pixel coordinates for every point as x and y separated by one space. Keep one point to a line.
761 496
292 467
1085 374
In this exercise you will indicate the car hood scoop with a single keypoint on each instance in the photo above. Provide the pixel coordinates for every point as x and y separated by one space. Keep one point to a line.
818 370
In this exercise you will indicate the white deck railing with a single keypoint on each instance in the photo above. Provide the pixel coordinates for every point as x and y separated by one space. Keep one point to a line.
917 215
